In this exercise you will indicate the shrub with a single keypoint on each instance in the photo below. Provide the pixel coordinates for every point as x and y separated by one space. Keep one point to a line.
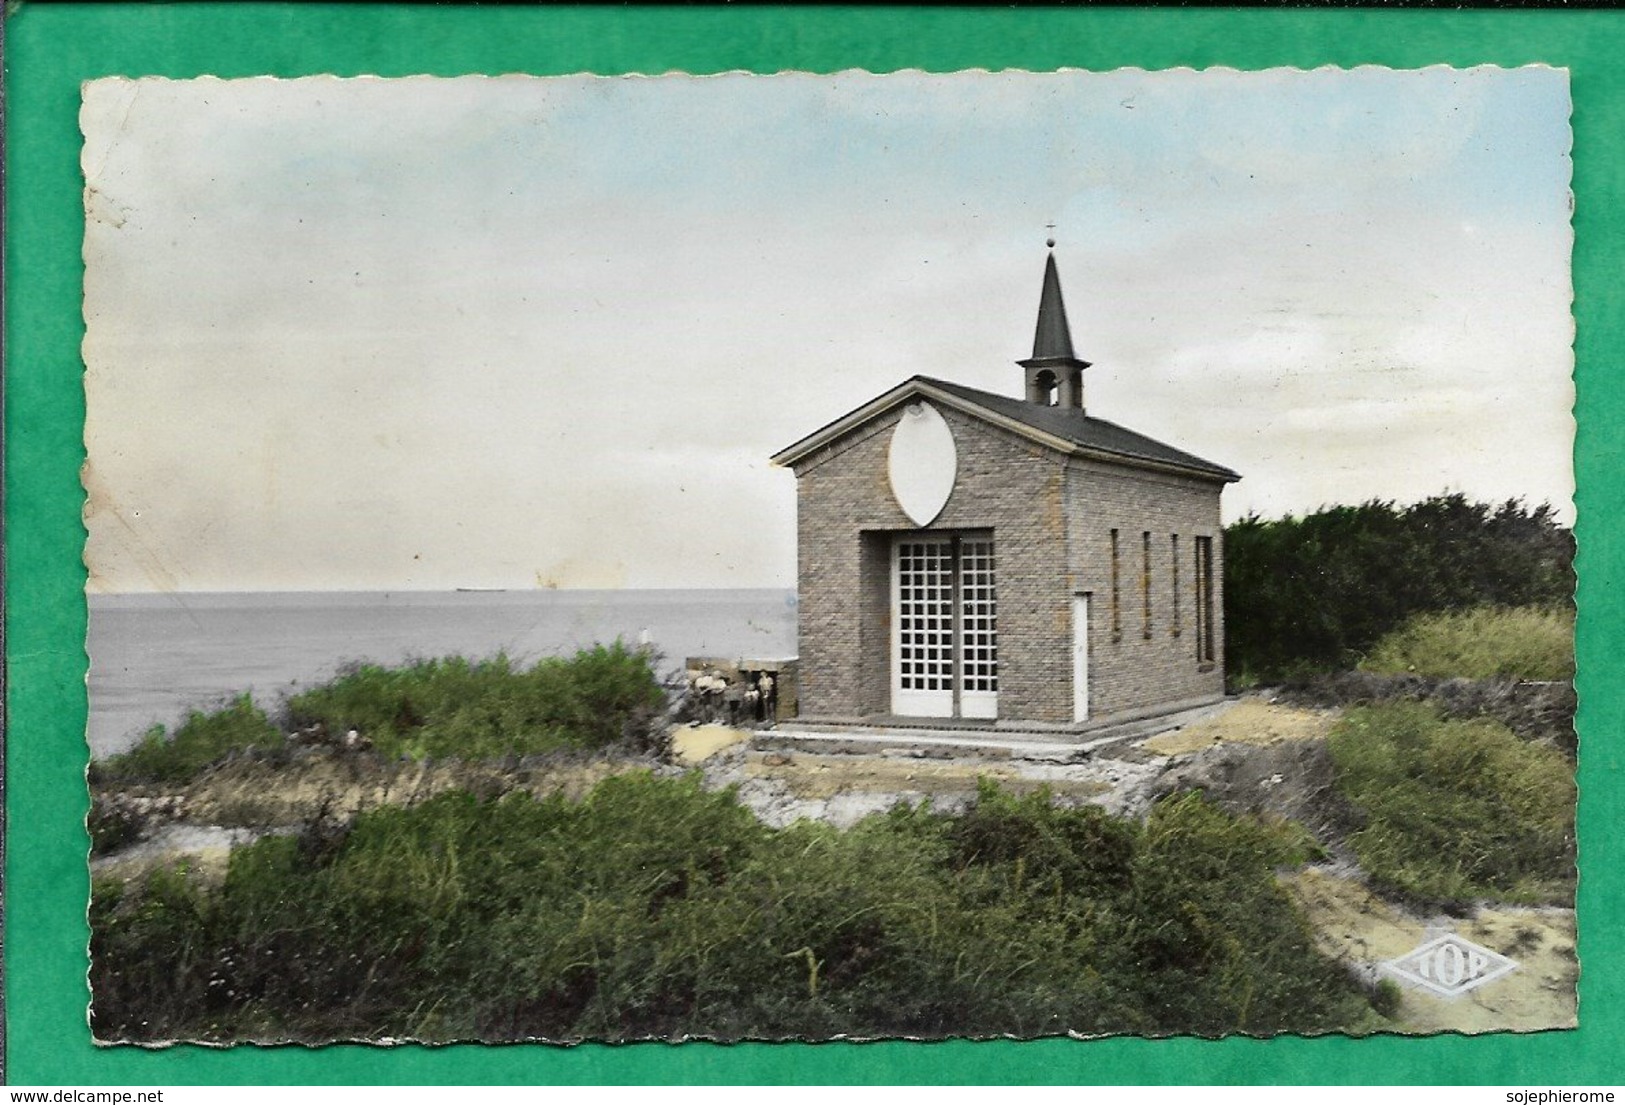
1079 850
1224 941
654 908
1542 712
200 741
1456 810
1531 643
1310 594
112 825
488 708
170 986
1387 998
455 708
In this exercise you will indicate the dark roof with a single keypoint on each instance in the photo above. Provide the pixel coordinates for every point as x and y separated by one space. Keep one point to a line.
1071 424
1052 347
1052 341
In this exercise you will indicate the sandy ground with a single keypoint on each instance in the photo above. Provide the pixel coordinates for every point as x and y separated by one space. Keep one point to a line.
1361 929
694 744
781 786
1249 721
785 786
206 847
262 794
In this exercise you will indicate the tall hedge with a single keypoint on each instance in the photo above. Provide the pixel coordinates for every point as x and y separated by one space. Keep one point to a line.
1313 593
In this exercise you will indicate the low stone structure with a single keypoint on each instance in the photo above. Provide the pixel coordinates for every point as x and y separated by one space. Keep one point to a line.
741 691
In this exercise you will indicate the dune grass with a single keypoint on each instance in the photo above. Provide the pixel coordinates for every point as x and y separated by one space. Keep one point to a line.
444 708
655 908
202 739
1534 643
489 708
1456 810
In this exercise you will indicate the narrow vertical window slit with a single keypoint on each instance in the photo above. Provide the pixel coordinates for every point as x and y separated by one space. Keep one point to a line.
1145 584
1117 605
1173 563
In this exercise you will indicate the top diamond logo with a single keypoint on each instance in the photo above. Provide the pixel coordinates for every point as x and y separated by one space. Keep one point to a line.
1449 966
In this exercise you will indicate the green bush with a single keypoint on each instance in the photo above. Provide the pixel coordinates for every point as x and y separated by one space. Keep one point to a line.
452 708
1387 999
1486 643
170 986
1456 810
1225 944
112 826
200 741
1311 594
654 908
487 708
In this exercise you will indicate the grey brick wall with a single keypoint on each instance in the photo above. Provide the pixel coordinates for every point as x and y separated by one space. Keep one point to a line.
1050 516
1145 664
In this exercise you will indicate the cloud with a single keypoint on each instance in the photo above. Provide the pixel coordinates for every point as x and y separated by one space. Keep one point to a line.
423 332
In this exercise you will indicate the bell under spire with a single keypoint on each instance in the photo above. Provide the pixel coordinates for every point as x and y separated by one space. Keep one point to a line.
1054 372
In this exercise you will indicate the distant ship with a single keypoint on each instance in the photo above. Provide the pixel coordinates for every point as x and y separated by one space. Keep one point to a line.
482 589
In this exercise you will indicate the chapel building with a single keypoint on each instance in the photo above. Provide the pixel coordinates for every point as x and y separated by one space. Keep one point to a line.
974 559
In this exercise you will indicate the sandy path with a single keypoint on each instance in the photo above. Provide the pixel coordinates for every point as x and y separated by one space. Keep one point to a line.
1249 721
1354 925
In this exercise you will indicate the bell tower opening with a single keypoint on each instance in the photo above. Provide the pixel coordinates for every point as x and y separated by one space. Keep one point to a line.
1054 373
1044 388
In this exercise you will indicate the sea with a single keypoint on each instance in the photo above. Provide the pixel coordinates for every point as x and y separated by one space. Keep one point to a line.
155 657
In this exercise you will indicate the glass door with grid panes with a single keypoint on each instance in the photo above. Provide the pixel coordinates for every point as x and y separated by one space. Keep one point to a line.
945 659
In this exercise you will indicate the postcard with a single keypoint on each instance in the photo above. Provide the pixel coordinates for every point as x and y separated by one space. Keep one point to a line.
985 554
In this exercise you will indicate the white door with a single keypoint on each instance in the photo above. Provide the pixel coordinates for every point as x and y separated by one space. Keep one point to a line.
923 634
940 660
978 630
1080 657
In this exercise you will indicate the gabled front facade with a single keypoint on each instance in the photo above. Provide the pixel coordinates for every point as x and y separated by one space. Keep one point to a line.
1010 562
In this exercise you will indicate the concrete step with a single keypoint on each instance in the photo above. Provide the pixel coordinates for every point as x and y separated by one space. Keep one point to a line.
919 742
912 740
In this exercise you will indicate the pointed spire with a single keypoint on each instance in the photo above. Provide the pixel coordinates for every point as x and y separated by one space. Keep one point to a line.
1053 338
1054 372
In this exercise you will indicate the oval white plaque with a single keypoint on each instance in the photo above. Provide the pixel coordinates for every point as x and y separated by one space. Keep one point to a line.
922 463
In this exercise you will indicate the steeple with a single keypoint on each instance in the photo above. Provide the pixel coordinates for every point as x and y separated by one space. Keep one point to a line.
1054 373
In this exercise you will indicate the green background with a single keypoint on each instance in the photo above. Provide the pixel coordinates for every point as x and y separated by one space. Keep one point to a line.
51 48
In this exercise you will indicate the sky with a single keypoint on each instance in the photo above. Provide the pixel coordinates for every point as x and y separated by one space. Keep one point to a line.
545 332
